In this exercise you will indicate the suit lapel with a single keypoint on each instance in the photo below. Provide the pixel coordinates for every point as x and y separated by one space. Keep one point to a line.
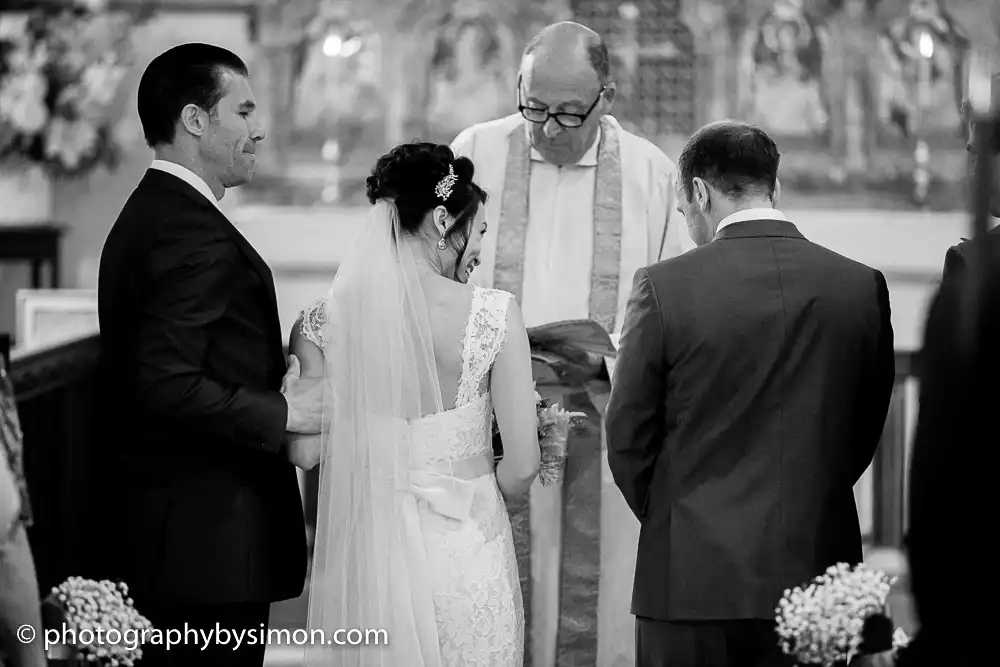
258 263
167 181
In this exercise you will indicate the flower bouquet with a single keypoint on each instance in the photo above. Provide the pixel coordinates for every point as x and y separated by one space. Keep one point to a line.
567 357
61 69
96 624
838 618
554 424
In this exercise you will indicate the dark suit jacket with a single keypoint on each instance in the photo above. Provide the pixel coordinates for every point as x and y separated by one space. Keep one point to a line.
192 362
951 485
749 394
956 260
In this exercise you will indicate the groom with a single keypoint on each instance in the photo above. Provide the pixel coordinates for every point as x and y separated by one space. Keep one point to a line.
209 512
749 394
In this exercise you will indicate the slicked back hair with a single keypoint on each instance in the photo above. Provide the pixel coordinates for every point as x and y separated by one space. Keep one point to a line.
186 74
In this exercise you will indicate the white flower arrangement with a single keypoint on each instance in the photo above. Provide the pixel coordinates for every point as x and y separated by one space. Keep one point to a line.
822 623
103 627
553 424
60 73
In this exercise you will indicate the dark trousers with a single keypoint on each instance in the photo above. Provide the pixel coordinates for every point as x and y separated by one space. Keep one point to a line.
732 643
206 635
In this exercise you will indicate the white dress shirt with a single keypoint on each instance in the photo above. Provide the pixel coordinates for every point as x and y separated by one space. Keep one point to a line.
189 177
559 243
749 214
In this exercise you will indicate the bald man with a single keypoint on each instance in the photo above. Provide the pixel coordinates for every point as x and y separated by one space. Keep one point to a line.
577 205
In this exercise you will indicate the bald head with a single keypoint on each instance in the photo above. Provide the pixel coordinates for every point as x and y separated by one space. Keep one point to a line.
564 90
568 44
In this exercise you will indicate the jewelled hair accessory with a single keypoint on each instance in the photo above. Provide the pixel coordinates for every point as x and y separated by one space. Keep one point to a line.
446 185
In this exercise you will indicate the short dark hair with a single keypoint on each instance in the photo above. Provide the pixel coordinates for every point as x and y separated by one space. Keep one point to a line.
597 52
737 159
186 74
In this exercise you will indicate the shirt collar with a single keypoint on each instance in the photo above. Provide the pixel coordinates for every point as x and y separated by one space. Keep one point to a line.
751 214
589 158
189 177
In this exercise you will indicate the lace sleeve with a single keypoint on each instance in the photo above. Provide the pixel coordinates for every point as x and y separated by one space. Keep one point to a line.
498 302
313 322
486 332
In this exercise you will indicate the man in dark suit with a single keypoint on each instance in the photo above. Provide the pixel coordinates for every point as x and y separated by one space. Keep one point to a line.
210 516
958 403
749 394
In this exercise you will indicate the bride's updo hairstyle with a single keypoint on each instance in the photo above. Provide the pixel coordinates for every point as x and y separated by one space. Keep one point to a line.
409 175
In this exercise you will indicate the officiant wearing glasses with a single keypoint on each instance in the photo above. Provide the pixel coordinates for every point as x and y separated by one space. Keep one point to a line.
579 205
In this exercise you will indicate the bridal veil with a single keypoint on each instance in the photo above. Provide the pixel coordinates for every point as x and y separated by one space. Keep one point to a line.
369 567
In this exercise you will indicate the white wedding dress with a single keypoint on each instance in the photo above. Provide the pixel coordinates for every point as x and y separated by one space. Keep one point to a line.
471 564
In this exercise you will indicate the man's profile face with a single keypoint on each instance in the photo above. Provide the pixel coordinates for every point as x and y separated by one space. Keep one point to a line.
234 130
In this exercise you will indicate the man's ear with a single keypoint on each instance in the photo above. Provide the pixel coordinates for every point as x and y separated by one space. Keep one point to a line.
776 195
610 95
194 119
701 194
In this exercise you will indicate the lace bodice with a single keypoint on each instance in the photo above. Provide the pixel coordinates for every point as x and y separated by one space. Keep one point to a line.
470 564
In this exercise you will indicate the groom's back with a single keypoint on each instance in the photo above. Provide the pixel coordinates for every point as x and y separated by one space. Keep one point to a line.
780 366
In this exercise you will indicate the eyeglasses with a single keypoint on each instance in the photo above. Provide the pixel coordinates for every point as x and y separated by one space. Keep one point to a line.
564 119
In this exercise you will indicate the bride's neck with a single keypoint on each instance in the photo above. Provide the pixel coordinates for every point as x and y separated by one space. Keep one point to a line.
428 262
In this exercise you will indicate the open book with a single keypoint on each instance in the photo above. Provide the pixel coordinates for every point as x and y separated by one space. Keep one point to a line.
574 336
570 352
570 356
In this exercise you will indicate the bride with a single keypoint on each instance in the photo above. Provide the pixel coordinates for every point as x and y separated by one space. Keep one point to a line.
412 531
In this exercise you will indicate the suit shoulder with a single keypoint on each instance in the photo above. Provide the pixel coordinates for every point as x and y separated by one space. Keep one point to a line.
842 262
960 248
692 260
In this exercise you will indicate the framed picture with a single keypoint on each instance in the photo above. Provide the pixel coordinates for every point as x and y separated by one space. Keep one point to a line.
51 316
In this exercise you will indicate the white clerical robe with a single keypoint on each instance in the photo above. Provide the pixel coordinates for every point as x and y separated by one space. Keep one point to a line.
559 241
558 257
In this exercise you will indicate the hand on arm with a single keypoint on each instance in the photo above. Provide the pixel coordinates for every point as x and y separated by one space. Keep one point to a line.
191 264
634 422
307 361
514 403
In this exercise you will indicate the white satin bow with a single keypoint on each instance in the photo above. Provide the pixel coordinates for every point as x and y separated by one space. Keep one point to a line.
447 495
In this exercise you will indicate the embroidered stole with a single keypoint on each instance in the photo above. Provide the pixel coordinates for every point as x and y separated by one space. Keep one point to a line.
512 227
540 555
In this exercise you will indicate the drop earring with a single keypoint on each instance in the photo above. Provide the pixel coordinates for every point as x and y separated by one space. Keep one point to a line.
441 244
